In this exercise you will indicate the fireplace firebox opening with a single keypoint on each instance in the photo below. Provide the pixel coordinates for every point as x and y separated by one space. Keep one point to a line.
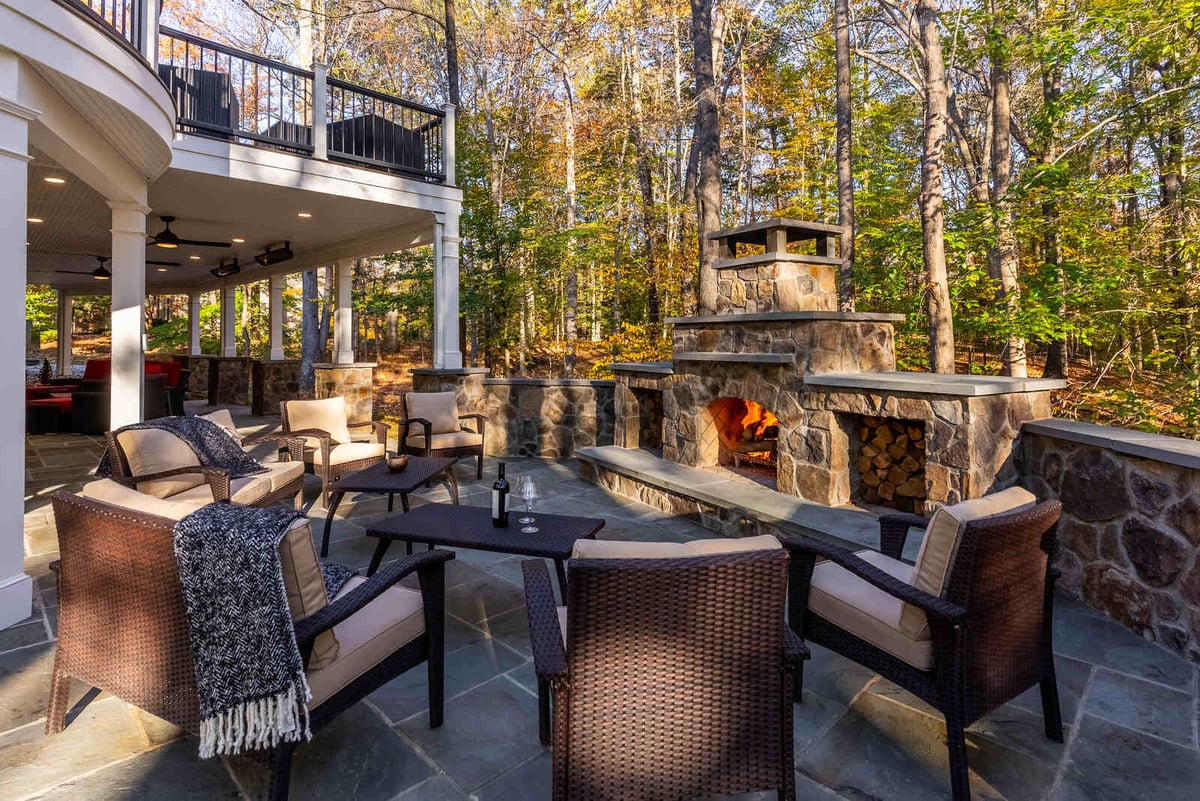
887 467
748 433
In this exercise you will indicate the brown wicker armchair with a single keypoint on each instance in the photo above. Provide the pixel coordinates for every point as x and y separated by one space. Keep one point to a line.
673 681
331 448
432 427
123 626
156 462
976 644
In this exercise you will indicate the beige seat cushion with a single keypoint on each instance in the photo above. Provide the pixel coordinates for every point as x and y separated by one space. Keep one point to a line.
110 491
283 472
458 439
619 549
348 452
939 549
439 408
224 419
368 637
866 611
152 450
327 414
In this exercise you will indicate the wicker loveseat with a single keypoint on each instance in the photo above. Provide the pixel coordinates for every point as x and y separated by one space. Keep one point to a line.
331 448
123 626
669 678
966 629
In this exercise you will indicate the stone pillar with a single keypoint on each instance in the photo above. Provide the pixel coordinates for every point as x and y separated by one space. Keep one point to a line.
16 588
275 311
447 355
467 382
128 311
343 315
354 381
66 326
228 320
229 381
194 347
274 381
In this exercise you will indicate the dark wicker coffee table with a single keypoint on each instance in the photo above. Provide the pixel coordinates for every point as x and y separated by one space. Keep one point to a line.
378 478
471 527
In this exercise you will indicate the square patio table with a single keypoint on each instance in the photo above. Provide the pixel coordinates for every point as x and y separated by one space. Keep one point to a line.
377 478
471 527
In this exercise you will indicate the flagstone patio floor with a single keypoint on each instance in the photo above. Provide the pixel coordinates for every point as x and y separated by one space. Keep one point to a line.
1130 707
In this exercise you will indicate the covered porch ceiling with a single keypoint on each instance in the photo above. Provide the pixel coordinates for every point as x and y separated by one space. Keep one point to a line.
76 223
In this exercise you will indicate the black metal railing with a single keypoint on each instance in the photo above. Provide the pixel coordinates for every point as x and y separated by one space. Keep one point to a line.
120 18
377 130
229 94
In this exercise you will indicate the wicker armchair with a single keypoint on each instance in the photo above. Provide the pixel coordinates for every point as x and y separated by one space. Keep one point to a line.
432 427
160 464
123 626
331 448
672 681
976 644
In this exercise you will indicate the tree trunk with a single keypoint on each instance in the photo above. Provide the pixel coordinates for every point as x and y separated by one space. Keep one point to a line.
845 171
326 310
451 52
1005 258
933 212
570 322
707 139
645 179
1056 350
309 331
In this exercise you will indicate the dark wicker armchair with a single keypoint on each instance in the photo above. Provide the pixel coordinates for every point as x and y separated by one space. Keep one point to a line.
432 427
123 625
987 635
331 448
673 681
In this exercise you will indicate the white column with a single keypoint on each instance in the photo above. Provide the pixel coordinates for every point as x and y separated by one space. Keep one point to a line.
275 311
16 588
128 311
343 314
320 101
148 46
194 347
66 327
448 143
228 320
447 354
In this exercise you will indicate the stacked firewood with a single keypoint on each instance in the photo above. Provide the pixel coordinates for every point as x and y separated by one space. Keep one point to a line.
891 464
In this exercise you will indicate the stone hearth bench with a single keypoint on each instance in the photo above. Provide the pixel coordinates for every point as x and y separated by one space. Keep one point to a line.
721 500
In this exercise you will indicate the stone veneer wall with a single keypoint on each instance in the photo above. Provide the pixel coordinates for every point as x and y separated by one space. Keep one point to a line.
1130 530
197 367
819 346
547 417
274 381
354 382
229 381
777 286
467 382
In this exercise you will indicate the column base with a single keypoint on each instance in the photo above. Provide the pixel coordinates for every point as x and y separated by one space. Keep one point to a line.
16 599
467 382
355 382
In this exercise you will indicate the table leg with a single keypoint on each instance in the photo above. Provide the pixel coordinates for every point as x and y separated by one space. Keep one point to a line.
562 580
543 693
452 485
403 502
376 558
334 500
408 547
391 499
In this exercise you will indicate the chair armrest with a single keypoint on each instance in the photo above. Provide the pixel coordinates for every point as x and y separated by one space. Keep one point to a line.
324 436
893 532
480 421
217 479
293 444
545 636
794 649
308 628
380 429
930 604
428 432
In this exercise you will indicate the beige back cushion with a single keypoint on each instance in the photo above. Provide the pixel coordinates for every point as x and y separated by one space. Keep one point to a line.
297 557
224 419
152 450
327 414
616 549
439 408
939 549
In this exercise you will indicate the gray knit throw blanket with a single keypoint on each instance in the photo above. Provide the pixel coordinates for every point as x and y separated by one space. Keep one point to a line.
213 445
249 672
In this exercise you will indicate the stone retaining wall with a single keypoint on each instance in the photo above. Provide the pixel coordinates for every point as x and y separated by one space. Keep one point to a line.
1130 530
274 381
229 381
546 417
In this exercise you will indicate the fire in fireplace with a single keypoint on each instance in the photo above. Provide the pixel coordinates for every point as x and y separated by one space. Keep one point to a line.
748 431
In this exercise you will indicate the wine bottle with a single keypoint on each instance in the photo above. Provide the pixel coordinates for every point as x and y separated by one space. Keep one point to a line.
500 500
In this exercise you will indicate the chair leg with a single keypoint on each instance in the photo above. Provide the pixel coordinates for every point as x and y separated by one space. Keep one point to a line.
281 772
1051 711
543 693
956 744
798 684
56 712
479 467
437 695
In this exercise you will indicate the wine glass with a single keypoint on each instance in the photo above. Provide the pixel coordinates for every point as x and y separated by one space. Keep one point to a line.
530 492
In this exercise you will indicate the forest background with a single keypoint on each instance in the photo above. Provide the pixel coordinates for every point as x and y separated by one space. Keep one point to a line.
1019 177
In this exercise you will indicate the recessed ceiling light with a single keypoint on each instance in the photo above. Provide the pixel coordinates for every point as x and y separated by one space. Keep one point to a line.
194 258
162 269
34 219
304 214
54 179
238 240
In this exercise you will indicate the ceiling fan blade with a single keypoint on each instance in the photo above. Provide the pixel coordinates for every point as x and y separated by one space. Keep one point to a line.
162 263
74 272
201 243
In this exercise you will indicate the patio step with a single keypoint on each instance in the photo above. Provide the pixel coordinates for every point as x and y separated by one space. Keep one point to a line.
848 526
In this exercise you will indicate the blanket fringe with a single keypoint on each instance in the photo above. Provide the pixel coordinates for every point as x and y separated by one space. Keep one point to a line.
258 724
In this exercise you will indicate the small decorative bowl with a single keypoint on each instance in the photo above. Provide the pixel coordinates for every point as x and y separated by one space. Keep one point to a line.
397 464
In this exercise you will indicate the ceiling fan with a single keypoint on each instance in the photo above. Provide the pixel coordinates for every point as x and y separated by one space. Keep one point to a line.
166 238
102 273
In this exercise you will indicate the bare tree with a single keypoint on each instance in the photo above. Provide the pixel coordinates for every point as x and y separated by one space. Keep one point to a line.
707 141
845 171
